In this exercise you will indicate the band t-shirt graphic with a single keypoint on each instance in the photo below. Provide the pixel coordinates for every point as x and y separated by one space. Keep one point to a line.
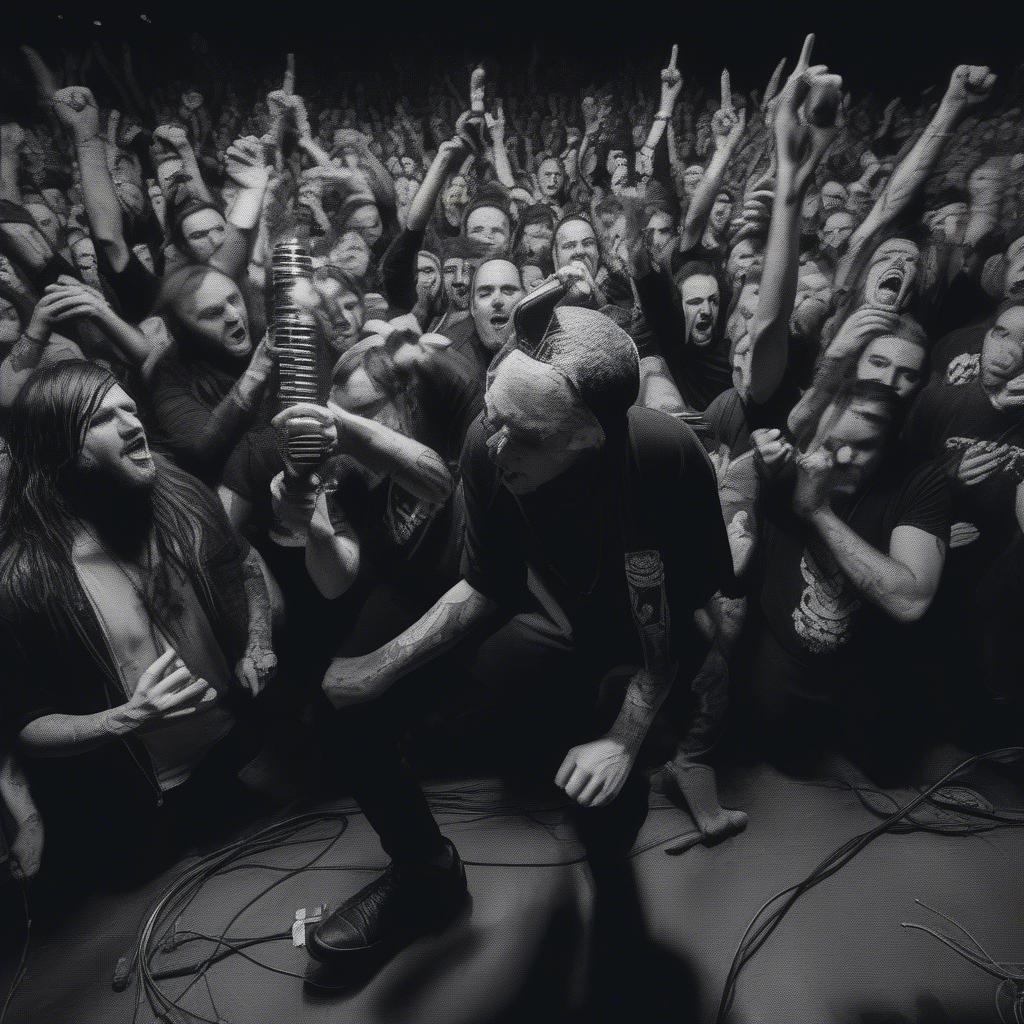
807 602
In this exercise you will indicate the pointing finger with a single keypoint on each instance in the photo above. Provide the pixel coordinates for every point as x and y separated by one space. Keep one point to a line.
805 54
673 61
726 91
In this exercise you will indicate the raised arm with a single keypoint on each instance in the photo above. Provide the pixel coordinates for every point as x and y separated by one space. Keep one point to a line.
671 84
247 168
968 87
76 109
800 149
496 126
413 466
175 141
422 206
12 136
28 352
727 128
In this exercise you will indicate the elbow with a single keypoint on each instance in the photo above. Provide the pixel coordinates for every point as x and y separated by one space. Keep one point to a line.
910 609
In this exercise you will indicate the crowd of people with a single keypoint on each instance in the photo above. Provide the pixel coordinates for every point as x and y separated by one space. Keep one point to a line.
655 423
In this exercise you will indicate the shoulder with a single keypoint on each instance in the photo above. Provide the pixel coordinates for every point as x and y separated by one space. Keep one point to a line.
664 445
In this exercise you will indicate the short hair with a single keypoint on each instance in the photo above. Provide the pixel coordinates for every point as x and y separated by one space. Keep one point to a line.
487 200
695 268
483 263
598 356
571 217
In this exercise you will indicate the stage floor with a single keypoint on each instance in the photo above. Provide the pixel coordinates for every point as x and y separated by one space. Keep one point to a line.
839 956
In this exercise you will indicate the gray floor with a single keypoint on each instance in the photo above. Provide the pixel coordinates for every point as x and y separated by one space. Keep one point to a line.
840 955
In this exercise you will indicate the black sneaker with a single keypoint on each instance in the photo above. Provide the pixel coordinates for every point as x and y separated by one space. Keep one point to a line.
403 903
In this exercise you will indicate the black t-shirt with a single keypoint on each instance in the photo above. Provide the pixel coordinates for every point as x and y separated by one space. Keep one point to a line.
955 358
701 373
467 352
398 270
811 608
651 488
944 422
393 527
135 287
730 418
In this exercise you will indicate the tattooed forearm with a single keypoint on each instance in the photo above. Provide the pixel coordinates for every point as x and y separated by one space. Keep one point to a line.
258 598
14 790
645 576
414 466
451 618
883 580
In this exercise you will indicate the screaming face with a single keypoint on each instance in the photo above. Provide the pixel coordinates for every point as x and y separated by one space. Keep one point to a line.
700 307
892 274
115 443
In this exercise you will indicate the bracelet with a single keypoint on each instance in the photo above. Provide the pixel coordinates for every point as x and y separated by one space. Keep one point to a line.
82 142
662 117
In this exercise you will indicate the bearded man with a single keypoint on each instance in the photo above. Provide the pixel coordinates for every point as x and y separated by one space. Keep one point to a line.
131 617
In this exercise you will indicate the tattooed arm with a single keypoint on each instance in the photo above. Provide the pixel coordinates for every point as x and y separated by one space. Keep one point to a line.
903 582
413 466
257 665
27 844
456 613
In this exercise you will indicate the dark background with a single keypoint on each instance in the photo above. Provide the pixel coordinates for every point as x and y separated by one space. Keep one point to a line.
893 48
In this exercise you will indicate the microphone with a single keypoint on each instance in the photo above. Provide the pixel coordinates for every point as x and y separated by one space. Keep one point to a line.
295 338
532 315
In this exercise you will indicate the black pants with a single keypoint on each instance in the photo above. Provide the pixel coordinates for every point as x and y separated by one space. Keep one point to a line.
525 675
796 716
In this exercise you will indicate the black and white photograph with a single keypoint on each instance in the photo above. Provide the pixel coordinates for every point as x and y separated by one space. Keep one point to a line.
512 514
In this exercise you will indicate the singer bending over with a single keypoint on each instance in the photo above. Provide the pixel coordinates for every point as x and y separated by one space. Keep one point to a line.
593 533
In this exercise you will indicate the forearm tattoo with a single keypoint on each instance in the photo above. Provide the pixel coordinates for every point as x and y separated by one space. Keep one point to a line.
258 598
645 577
442 627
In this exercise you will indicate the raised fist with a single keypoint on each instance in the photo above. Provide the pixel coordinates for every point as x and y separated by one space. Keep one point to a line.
76 108
970 85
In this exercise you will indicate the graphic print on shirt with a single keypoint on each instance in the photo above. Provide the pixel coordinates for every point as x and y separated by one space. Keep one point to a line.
963 369
824 618
1012 457
405 515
